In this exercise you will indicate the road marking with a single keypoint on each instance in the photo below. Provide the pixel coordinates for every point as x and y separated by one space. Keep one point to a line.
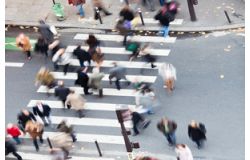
10 43
13 64
122 51
126 64
73 76
106 91
119 38
35 156
153 21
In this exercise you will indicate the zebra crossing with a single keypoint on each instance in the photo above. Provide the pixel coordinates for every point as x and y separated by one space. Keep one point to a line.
90 129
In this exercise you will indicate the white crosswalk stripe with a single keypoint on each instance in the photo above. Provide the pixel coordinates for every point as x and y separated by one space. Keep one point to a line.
121 51
14 64
119 38
73 76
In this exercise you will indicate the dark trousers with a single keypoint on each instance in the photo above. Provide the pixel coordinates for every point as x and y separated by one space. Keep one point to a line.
15 154
135 123
28 53
65 68
117 83
101 9
36 144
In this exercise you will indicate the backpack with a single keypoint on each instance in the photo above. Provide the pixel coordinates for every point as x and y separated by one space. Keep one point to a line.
202 128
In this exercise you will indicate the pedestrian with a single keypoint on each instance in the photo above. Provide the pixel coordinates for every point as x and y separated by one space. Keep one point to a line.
79 4
168 73
95 80
57 154
168 127
98 4
23 117
150 4
197 132
183 152
82 80
134 47
77 102
117 72
43 111
11 148
15 132
62 92
124 30
144 158
137 119
126 13
145 53
64 127
42 46
23 42
82 55
46 32
35 129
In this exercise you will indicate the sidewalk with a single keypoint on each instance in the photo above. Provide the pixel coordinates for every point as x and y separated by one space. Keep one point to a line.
210 15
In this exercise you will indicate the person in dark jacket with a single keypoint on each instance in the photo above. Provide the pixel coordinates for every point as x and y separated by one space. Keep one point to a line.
11 148
42 46
43 111
45 31
82 55
23 117
93 43
127 14
62 92
82 80
197 132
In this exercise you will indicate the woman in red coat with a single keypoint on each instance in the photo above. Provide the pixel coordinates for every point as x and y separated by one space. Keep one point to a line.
14 131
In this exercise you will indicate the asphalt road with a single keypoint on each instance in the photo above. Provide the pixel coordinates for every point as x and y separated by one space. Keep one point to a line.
209 89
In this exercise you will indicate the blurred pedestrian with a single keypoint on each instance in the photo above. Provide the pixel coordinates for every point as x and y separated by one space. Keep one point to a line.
95 80
168 127
134 47
82 80
23 117
183 152
82 55
117 72
150 4
168 73
126 13
43 111
79 6
144 158
46 32
42 46
15 132
64 127
23 42
35 129
11 148
100 6
197 132
145 53
62 92
76 102
57 154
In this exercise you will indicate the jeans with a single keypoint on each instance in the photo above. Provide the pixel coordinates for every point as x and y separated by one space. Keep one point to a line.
80 9
171 138
165 30
36 144
162 2
17 139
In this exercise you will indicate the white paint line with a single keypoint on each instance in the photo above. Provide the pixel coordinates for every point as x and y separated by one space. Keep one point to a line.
88 106
35 156
126 64
122 51
73 76
153 21
90 121
13 64
106 91
119 38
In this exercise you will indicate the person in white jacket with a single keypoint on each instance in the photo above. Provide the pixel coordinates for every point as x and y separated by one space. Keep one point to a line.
183 152
168 73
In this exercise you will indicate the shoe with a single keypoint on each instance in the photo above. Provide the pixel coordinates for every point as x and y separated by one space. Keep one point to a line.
89 93
129 83
29 58
153 66
108 14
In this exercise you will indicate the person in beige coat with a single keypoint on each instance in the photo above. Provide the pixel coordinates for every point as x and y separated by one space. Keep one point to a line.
76 102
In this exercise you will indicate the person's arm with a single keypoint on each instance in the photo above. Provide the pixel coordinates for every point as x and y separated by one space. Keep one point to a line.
34 110
32 116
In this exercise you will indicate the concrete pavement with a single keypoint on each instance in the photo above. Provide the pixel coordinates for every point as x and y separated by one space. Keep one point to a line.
210 15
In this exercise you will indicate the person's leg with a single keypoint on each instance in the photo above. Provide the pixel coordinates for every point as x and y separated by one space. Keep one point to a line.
81 63
80 113
17 139
86 89
135 128
172 137
125 40
165 30
44 121
48 120
117 83
56 67
105 11
36 144
17 155
80 9
151 5
65 68
28 54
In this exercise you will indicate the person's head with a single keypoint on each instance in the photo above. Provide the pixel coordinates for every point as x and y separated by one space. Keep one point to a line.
9 125
41 21
180 146
194 124
25 112
91 40
38 103
60 83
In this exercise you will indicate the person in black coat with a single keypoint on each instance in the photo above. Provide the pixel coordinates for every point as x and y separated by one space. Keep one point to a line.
197 132
62 92
11 148
42 110
127 14
23 117
45 31
82 80
137 118
82 55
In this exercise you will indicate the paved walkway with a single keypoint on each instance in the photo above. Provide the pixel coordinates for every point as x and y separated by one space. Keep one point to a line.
210 14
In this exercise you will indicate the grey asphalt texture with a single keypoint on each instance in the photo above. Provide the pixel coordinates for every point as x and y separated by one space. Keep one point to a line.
200 94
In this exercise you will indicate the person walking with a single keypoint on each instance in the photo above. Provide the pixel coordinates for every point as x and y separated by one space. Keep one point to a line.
95 80
144 158
150 4
168 127
168 73
23 117
197 133
79 4
145 53
117 72
62 92
64 127
183 152
35 129
42 46
15 132
23 42
82 55
43 111
76 101
44 30
98 4
82 80
11 148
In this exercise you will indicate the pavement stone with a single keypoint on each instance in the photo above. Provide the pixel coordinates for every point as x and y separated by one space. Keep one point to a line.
210 15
